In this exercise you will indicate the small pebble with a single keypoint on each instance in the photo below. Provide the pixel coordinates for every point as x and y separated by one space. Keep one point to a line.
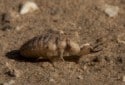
51 80
46 64
27 7
111 11
121 38
3 45
123 79
11 82
79 77
5 22
12 72
85 67
18 28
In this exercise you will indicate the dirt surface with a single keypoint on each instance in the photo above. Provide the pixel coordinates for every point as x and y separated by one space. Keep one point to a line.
106 67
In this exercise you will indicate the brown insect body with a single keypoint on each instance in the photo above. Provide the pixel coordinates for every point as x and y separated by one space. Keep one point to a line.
53 44
39 46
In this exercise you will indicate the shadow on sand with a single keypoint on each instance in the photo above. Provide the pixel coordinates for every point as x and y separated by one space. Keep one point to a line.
15 55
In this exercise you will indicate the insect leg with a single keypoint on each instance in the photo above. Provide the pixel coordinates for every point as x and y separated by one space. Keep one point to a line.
61 55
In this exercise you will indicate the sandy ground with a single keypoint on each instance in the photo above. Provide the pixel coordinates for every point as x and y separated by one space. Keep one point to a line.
106 67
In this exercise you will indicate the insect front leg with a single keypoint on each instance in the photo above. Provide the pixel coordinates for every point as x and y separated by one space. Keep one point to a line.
61 55
61 48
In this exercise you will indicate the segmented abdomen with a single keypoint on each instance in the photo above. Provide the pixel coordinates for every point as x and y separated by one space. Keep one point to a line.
41 46
33 47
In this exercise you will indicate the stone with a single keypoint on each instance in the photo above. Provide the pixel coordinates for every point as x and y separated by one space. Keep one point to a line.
28 7
111 10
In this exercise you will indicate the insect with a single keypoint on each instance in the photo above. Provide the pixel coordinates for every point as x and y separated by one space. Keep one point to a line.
52 45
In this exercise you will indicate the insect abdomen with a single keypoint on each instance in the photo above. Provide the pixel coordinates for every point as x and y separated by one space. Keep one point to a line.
33 48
